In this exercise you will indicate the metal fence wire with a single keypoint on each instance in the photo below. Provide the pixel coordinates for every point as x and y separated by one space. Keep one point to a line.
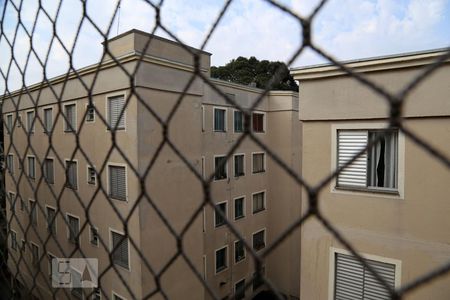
10 216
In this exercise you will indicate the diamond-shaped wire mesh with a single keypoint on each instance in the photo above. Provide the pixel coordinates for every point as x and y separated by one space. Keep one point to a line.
32 176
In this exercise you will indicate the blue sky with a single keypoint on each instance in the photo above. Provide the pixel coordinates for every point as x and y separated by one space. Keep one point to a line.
347 29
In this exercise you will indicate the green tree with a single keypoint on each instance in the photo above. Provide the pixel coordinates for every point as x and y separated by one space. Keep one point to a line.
248 71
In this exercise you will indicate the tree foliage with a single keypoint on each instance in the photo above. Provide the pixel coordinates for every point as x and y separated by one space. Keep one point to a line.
249 71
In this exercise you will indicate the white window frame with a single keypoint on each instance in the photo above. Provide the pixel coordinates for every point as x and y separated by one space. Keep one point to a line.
88 175
202 108
31 250
332 267
124 116
68 229
16 243
234 165
64 118
11 171
226 214
234 252
265 202
87 113
264 121
234 286
226 167
43 118
369 192
35 209
65 173
264 162
28 167
90 236
54 177
225 118
227 265
33 122
111 230
243 121
244 208
56 218
8 130
114 164
265 238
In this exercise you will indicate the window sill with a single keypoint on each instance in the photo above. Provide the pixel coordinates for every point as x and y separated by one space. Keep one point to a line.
239 175
259 210
221 269
223 131
118 199
239 259
123 266
259 248
220 179
393 192
115 129
259 172
238 218
69 131
219 225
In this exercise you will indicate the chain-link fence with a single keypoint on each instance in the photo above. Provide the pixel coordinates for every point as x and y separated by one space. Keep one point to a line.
29 171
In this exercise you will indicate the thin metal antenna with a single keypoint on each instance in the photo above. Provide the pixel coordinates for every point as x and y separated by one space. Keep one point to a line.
118 19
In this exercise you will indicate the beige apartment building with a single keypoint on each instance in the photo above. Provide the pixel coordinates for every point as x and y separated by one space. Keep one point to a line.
100 131
391 203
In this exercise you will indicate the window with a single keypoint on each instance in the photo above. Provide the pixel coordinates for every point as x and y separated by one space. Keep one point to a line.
70 124
239 290
259 202
50 258
258 162
93 236
375 168
71 174
48 120
23 247
9 123
238 121
119 249
239 251
220 167
258 122
51 220
74 228
218 219
203 118
10 163
33 212
12 201
92 175
30 121
353 280
48 171
90 114
116 120
221 259
13 240
31 167
220 115
34 253
239 208
117 182
22 205
239 165
203 168
259 240
19 120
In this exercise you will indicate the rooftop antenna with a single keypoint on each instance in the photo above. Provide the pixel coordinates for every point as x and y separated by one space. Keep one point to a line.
118 19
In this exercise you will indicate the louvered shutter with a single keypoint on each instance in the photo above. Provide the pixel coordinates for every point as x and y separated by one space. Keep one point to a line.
349 278
115 106
117 182
48 120
120 248
373 289
350 143
72 174
74 228
48 169
355 281
30 121
70 115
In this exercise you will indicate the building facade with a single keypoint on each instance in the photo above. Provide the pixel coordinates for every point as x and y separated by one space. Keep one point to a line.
90 151
391 203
